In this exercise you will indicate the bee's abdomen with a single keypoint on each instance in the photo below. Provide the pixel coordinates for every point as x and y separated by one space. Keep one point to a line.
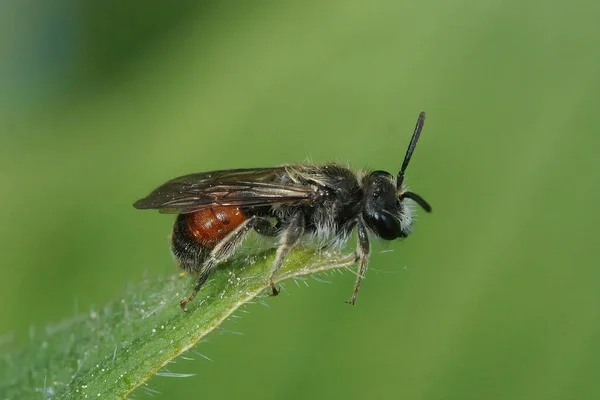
186 250
210 226
196 234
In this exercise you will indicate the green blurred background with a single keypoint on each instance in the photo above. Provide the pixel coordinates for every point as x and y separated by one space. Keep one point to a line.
496 294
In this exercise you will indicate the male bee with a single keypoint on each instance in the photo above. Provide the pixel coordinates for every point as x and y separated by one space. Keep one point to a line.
217 209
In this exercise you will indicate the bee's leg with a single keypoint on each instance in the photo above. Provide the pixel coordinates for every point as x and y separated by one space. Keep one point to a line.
289 238
222 251
362 255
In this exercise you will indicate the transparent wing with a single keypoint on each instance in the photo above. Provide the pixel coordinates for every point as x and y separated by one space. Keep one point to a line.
235 188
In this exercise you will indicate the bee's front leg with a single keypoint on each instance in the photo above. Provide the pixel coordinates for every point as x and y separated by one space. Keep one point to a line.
362 255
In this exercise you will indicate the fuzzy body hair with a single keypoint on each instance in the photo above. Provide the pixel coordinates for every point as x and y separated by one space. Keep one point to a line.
330 221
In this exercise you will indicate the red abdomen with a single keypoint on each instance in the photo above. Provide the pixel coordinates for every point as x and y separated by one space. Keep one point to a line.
211 225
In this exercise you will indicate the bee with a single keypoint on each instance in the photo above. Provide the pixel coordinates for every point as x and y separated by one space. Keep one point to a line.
216 211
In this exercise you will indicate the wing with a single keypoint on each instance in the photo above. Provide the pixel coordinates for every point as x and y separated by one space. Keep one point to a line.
233 187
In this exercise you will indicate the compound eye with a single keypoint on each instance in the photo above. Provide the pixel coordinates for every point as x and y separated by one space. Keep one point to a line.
381 174
386 226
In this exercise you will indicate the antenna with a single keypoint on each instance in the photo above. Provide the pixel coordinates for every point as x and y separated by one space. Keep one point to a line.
417 199
411 149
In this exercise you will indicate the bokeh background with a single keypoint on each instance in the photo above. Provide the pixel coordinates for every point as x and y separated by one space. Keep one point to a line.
495 296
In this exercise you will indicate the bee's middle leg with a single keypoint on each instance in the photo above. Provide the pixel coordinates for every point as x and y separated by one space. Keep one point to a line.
222 251
289 239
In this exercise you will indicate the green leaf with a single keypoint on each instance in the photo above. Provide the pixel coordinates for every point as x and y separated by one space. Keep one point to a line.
109 352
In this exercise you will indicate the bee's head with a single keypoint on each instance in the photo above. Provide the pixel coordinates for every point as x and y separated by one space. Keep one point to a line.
386 211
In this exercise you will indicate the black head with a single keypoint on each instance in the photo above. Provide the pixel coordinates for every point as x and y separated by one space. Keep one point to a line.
386 211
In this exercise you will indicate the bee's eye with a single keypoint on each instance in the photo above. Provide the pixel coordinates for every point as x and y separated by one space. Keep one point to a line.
386 226
381 174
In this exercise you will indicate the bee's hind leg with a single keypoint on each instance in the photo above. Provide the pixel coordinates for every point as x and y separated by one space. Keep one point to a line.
290 236
221 252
